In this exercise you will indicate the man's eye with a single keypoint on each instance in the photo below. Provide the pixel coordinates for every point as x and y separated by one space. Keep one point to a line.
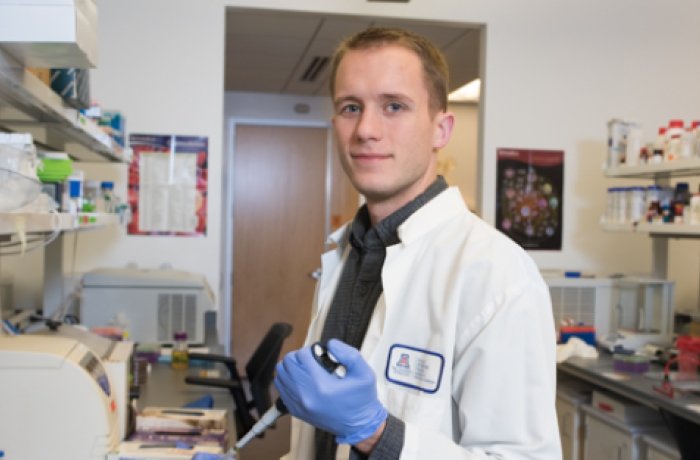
350 108
394 107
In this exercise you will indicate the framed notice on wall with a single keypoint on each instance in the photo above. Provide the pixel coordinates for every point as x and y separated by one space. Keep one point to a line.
529 196
168 185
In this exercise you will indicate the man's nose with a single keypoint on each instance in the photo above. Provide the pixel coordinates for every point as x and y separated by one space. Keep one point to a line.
369 125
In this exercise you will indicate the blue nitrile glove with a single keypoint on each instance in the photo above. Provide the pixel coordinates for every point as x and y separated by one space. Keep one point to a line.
347 407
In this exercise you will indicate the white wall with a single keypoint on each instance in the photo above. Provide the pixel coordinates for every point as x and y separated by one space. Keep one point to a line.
554 73
161 64
460 157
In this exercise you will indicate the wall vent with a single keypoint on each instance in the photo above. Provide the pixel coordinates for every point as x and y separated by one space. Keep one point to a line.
176 312
318 63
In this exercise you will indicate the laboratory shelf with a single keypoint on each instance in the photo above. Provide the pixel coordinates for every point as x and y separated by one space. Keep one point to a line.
10 223
29 105
657 230
677 168
670 230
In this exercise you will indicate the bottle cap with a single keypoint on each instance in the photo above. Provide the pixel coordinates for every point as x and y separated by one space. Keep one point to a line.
107 185
675 124
75 188
181 335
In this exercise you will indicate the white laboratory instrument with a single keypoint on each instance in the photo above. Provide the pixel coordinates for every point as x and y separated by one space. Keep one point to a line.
55 399
151 304
117 360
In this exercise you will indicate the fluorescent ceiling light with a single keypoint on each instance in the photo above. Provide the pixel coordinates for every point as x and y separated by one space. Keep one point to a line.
467 93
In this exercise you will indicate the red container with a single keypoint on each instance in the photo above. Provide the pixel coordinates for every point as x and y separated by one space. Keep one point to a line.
688 353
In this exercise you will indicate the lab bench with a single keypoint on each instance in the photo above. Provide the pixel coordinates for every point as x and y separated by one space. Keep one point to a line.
681 412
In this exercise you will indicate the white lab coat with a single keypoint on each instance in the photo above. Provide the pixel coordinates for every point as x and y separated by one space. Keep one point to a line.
457 288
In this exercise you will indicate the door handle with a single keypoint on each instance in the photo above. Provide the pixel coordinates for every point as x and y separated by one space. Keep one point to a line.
316 274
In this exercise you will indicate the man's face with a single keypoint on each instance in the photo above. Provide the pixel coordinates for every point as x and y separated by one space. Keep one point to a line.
387 136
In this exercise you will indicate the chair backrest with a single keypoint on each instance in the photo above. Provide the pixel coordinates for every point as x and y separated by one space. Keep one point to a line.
260 369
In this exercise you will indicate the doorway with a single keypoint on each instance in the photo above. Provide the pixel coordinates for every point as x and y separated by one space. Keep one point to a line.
287 193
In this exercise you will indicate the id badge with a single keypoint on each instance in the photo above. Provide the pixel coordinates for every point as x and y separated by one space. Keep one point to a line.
415 368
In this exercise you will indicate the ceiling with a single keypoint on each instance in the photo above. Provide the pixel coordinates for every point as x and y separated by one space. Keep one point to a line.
274 52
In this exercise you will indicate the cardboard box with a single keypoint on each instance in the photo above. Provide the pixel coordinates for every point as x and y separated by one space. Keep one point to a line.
42 74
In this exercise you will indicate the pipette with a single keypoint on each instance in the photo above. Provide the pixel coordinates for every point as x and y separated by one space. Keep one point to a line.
326 360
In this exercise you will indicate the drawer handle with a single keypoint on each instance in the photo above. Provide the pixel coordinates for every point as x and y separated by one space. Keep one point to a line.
605 407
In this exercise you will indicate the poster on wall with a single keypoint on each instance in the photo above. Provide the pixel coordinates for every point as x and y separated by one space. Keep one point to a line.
168 185
529 196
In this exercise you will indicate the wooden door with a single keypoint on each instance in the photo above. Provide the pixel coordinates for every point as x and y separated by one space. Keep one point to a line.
279 225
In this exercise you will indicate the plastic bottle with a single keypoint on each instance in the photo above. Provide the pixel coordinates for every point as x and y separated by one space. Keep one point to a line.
681 199
107 197
180 355
617 138
687 143
694 217
91 189
636 203
673 140
74 201
610 205
659 146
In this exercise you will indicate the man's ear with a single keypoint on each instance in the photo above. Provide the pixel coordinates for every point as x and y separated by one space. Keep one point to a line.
444 122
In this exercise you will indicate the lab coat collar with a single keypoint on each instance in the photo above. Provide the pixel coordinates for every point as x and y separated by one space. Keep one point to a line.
433 214
441 208
340 237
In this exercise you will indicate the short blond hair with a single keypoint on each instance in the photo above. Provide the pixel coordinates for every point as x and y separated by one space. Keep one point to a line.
435 68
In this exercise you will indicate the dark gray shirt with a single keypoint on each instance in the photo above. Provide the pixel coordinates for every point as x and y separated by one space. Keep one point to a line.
358 291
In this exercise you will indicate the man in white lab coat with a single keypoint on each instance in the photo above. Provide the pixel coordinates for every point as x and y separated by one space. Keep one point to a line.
443 324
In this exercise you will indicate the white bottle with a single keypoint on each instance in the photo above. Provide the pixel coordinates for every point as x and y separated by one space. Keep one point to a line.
694 209
687 143
673 140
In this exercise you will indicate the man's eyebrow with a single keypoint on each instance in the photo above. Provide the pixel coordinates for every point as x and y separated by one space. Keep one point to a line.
383 96
342 99
393 96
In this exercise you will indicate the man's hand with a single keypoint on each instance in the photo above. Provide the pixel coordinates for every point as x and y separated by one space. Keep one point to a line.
347 407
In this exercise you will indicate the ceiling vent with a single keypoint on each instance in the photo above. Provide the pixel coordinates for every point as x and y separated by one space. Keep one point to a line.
318 63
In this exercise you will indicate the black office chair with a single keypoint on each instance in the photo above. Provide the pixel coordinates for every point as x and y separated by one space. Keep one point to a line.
260 371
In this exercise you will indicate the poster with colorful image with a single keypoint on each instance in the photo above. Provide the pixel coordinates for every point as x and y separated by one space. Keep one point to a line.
529 194
168 185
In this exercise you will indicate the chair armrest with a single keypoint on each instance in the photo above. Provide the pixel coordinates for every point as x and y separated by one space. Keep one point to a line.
229 362
212 382
210 357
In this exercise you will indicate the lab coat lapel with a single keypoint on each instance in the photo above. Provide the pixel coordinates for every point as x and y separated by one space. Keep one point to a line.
331 268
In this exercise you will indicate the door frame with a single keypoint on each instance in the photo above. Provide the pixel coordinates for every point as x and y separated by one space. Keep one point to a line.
225 289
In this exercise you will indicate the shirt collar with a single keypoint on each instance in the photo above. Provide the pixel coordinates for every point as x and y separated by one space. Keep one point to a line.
365 237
